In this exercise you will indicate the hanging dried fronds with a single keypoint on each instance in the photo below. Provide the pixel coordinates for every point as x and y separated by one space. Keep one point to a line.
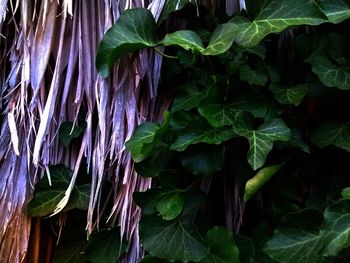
48 50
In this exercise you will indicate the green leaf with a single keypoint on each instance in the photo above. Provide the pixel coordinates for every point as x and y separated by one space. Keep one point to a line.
293 95
218 115
337 134
256 76
221 39
149 259
47 197
68 131
145 138
79 198
335 10
330 75
134 30
172 6
262 177
154 164
188 98
170 205
297 239
222 246
260 140
186 39
345 193
200 131
336 231
171 240
147 200
204 160
276 16
105 246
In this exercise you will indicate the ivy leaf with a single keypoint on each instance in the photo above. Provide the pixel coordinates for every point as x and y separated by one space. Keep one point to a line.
335 10
200 131
337 134
260 140
186 39
345 193
204 160
170 205
221 39
293 95
147 200
146 137
79 198
256 76
154 164
134 30
47 197
330 74
172 6
262 177
171 240
68 131
336 231
222 246
188 98
297 239
218 115
276 16
105 246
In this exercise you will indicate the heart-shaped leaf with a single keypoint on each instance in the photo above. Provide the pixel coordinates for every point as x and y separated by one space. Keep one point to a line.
337 134
261 139
171 240
293 95
222 246
134 30
186 39
336 231
297 239
330 75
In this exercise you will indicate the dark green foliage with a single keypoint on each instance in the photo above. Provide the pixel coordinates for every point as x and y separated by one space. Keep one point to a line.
260 117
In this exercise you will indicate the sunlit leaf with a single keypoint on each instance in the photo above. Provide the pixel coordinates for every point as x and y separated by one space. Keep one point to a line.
259 179
221 39
186 39
277 15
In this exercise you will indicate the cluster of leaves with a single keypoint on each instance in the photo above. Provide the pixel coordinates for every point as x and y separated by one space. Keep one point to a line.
269 112
236 96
